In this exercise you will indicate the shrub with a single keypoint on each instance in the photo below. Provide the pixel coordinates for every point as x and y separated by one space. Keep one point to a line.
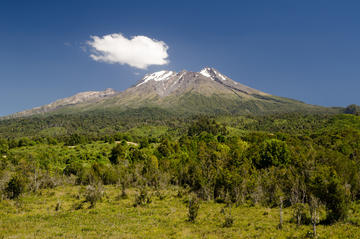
142 198
117 153
16 186
193 208
75 139
299 213
94 193
229 219
274 152
74 168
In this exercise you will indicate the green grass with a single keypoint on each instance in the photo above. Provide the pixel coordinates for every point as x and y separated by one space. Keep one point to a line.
34 216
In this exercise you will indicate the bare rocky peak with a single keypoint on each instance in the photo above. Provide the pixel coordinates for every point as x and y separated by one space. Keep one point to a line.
167 82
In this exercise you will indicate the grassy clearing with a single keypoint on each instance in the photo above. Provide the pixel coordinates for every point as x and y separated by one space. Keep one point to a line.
34 216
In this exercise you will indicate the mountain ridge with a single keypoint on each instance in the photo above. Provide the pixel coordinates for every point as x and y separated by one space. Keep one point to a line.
196 92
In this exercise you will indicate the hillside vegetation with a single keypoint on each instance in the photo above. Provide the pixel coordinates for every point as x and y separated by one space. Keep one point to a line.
273 176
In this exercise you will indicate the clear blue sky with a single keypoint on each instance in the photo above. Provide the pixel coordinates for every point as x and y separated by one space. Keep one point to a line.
306 50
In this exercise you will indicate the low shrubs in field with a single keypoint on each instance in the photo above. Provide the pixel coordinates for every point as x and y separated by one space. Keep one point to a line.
94 193
193 208
229 219
16 186
142 198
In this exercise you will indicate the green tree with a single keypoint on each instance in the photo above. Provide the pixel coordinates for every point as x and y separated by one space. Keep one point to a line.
16 186
117 153
274 152
327 186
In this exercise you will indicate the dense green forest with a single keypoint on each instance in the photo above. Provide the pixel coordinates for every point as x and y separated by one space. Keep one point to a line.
308 165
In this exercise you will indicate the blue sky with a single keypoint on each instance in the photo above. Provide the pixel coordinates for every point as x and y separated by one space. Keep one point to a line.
306 50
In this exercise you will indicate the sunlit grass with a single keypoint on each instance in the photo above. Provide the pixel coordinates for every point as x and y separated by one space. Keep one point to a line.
34 216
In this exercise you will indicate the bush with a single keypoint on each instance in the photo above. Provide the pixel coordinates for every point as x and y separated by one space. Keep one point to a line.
274 152
75 139
117 153
229 219
142 198
16 186
193 208
328 187
93 194
73 167
299 213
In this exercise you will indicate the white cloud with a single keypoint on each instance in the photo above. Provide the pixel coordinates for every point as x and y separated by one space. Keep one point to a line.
139 51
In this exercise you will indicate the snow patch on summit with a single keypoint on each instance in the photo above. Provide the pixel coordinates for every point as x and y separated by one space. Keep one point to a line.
212 73
220 75
205 72
157 76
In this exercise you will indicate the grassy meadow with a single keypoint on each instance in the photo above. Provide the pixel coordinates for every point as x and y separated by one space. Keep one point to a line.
52 213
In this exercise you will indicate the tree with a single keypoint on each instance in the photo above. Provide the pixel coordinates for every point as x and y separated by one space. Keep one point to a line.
314 204
117 153
75 139
274 152
16 186
326 185
205 124
279 194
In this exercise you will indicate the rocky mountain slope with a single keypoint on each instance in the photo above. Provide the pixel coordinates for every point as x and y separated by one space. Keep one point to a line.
80 98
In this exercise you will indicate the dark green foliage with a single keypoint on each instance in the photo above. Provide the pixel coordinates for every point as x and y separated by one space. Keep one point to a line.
73 167
274 153
117 154
205 124
25 142
144 143
326 185
16 186
136 155
75 139
164 148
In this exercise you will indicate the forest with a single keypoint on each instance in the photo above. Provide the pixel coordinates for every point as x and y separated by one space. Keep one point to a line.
266 176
